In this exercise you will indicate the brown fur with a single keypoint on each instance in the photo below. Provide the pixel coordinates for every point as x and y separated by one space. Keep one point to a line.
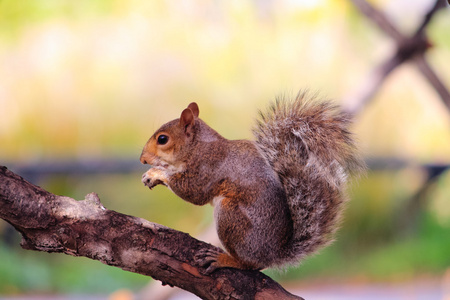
276 199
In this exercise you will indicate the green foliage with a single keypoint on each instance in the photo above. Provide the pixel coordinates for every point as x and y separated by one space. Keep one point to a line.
38 272
16 16
372 247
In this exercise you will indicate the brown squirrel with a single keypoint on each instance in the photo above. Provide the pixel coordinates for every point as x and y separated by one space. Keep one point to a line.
276 199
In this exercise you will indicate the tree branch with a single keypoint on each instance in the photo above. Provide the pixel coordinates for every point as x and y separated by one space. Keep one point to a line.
61 224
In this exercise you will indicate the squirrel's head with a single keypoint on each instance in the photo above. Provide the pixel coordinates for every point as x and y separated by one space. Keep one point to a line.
165 146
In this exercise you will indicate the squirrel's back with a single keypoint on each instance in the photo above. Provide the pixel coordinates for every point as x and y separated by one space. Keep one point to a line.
309 145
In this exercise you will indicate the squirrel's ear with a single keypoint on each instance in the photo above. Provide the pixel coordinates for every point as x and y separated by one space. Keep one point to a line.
187 120
194 107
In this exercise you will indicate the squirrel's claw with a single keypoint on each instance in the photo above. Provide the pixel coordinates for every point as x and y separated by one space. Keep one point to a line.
153 177
150 182
207 258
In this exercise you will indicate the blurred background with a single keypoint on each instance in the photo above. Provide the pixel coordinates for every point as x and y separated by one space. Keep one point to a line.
83 85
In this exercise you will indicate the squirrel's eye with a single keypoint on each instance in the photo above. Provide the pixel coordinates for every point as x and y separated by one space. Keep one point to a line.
162 139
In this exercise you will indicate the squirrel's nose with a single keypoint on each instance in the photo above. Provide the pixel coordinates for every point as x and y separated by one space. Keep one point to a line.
143 161
147 158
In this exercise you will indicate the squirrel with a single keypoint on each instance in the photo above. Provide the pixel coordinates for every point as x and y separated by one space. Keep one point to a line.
276 199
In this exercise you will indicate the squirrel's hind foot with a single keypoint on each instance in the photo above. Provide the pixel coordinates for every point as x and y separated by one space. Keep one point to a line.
212 259
208 258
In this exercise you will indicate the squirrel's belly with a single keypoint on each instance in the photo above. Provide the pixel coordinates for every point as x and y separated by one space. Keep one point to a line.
255 233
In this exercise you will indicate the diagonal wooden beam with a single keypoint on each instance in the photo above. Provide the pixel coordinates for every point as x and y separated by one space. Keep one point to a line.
428 72
408 48
378 18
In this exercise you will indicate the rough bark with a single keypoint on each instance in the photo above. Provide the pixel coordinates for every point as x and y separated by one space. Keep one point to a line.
61 224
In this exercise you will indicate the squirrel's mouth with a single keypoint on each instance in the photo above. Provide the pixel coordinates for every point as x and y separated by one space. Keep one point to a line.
164 165
157 162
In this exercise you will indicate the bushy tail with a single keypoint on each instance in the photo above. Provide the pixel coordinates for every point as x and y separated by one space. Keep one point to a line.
309 145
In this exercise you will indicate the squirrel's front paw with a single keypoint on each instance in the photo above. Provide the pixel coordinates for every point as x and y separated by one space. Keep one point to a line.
153 177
